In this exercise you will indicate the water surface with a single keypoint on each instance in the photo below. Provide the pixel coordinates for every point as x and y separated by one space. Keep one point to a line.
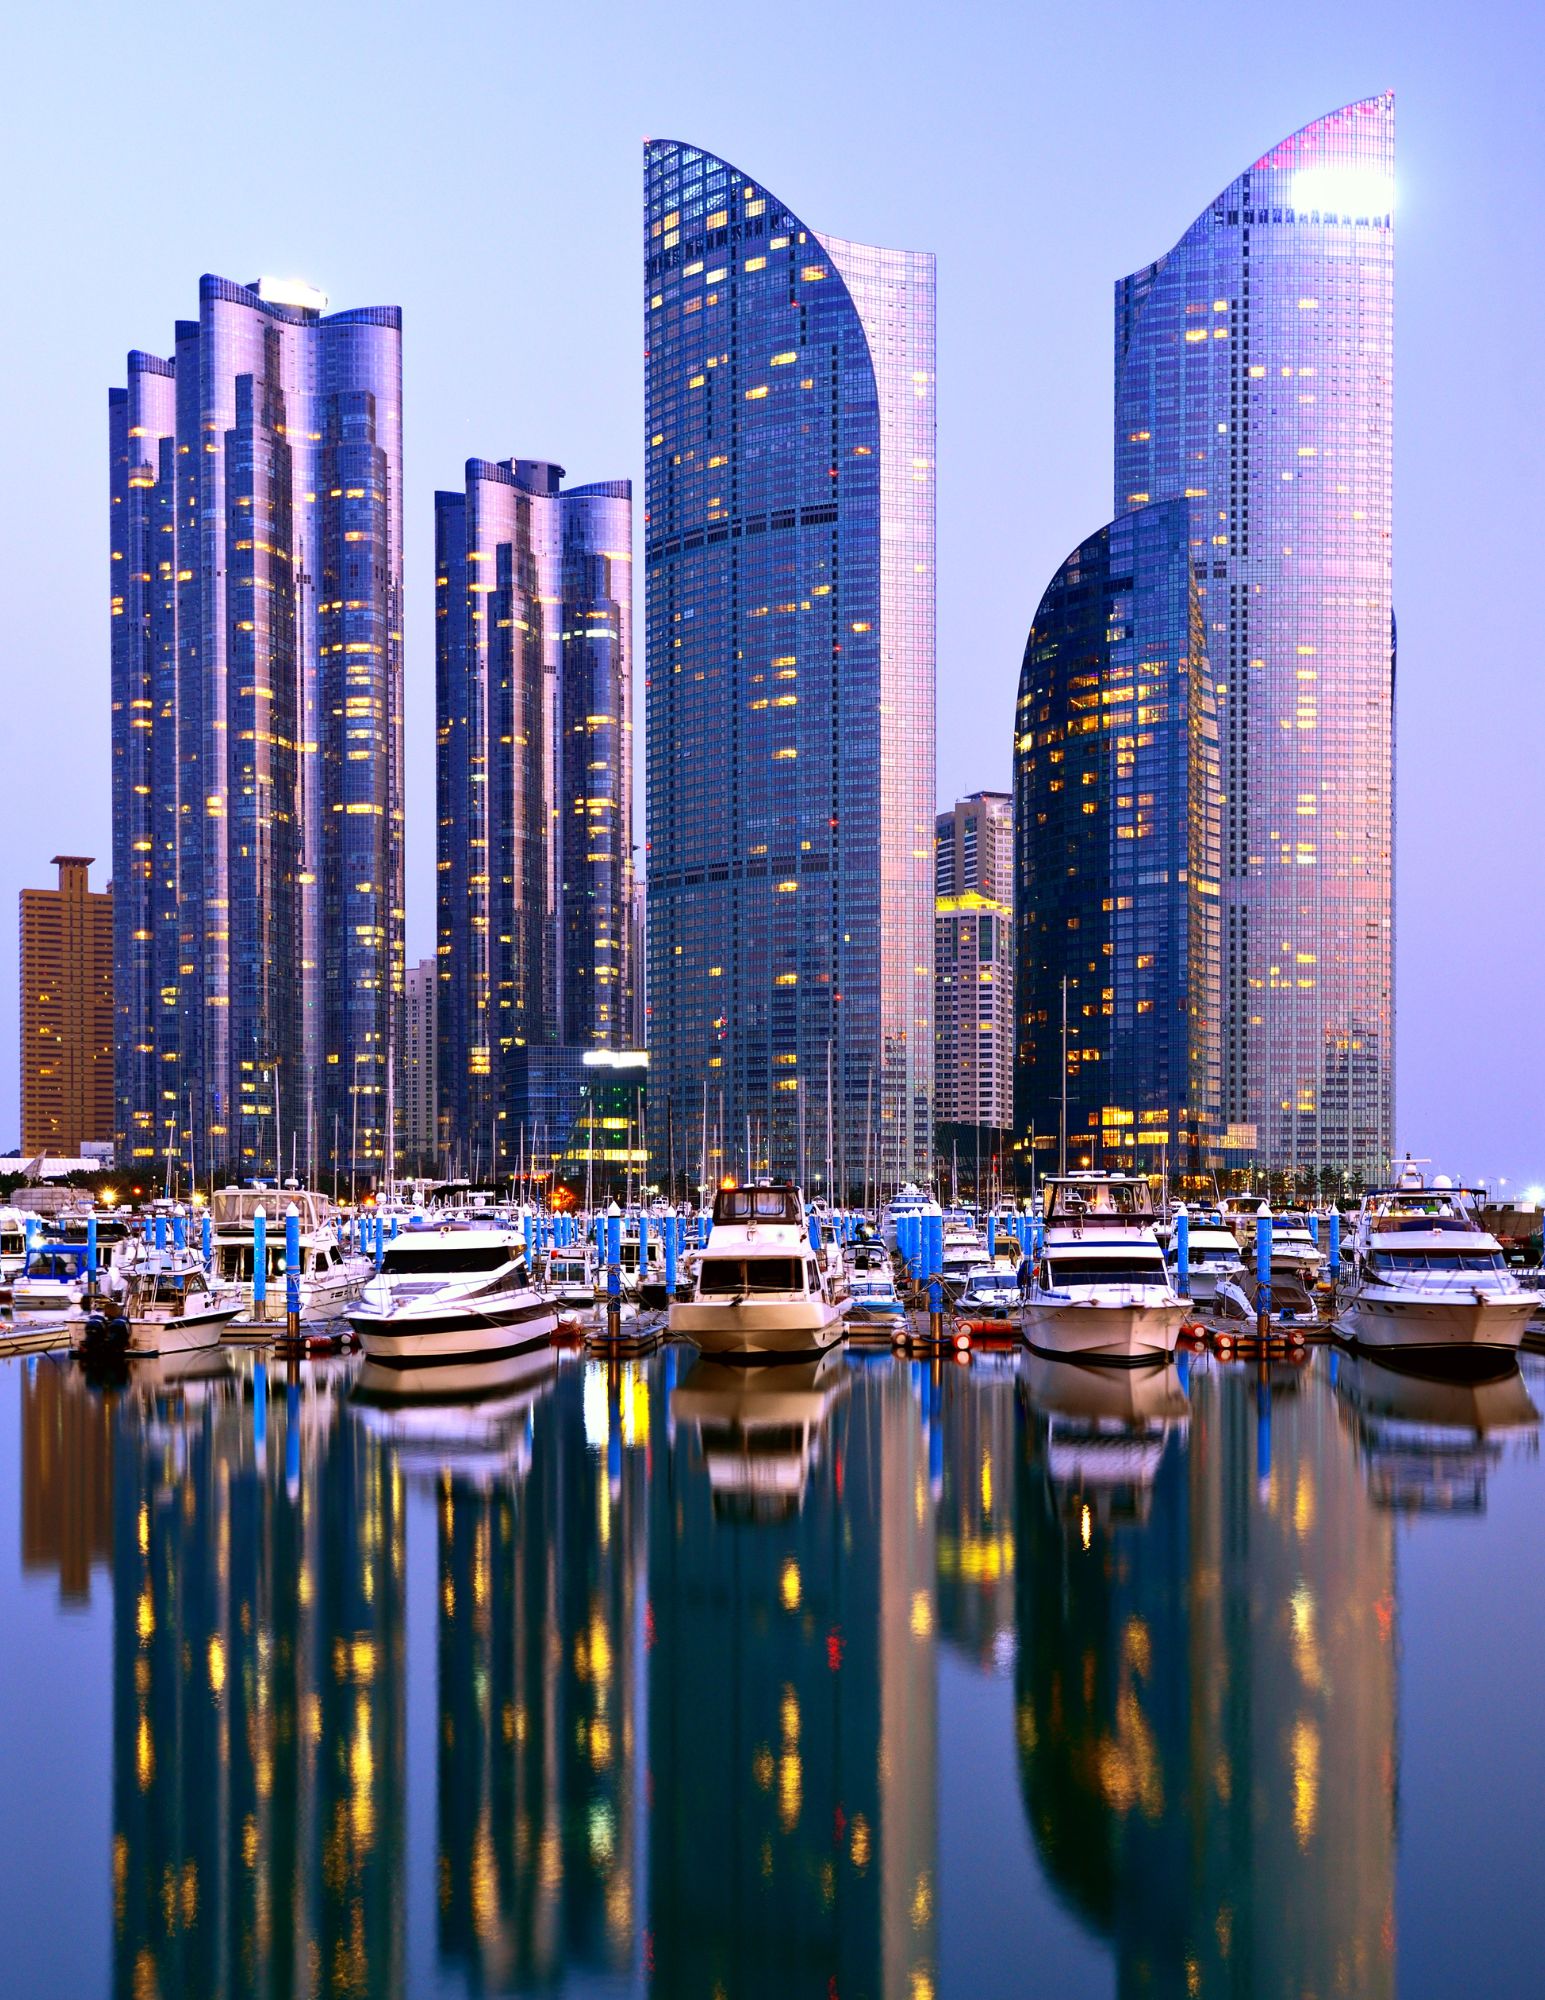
857 1680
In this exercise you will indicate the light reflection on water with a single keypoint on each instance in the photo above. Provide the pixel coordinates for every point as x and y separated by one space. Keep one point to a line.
689 1627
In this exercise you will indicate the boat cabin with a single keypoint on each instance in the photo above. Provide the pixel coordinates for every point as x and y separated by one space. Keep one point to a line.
1076 1199
770 1202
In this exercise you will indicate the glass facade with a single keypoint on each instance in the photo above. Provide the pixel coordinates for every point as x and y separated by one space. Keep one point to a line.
1253 371
534 777
974 973
257 734
789 430
1117 804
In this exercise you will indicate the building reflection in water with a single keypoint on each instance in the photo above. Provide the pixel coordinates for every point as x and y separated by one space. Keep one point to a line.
793 1834
66 1477
973 1412
258 1689
1429 1441
1206 1682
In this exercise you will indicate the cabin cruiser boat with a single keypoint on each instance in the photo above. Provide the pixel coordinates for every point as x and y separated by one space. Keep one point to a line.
1424 1277
1100 1289
571 1278
163 1302
761 1431
873 1301
907 1201
1212 1257
471 1419
13 1246
1295 1256
452 1295
331 1279
964 1254
989 1301
1429 1439
761 1291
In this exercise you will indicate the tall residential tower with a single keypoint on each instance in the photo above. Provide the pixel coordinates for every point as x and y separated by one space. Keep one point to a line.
535 776
973 882
1253 382
789 550
257 733
66 1013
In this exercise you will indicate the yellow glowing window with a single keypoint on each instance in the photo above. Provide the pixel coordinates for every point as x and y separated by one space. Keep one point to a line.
756 263
717 220
783 360
755 395
813 273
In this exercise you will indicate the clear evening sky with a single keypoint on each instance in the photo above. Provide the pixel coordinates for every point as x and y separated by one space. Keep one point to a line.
479 165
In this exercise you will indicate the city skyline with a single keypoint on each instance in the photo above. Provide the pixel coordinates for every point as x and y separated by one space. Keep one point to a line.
1039 390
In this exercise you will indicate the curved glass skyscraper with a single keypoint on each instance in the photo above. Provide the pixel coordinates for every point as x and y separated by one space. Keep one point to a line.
1116 849
1254 381
257 733
789 545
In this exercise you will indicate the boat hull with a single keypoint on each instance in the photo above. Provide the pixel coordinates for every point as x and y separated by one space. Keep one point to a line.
1099 1332
454 1333
1429 1326
764 1331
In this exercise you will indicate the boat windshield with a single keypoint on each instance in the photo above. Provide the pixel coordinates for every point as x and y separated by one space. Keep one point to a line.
417 1260
997 1283
756 1204
1405 1262
1124 1270
728 1277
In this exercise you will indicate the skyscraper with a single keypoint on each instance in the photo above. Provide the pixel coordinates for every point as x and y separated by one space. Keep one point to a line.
417 1100
789 427
973 880
257 732
1253 381
535 775
1117 846
66 1013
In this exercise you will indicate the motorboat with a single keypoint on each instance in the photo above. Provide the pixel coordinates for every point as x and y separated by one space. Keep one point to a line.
158 1302
760 1430
1296 1259
873 1302
1100 1289
452 1295
1423 1276
907 1201
331 1278
761 1290
1430 1439
989 1302
965 1253
1212 1257
471 1419
571 1278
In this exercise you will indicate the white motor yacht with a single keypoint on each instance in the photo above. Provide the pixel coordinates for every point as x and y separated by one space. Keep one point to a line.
571 1278
1424 1277
873 1301
1430 1439
1212 1258
989 1301
761 1291
331 1277
907 1201
1100 1289
164 1303
452 1295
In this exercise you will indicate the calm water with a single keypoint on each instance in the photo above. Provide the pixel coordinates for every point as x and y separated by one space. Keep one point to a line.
867 1680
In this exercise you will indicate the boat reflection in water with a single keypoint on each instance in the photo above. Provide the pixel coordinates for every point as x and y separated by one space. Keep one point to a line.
1105 1430
258 1780
468 1419
1206 1698
792 1709
1428 1440
760 1430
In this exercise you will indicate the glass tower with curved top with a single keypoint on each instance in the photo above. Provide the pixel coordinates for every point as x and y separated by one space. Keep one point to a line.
1253 378
789 552
256 508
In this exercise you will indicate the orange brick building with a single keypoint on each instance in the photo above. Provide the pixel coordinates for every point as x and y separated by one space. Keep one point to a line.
66 1012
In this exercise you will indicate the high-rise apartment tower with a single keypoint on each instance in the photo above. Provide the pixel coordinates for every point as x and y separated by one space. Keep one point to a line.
974 977
257 733
1254 382
789 553
66 1013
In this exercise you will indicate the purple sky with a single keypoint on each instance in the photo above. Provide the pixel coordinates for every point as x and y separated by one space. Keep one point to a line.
479 166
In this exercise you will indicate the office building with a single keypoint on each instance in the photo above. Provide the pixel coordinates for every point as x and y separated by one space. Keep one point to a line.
417 1102
789 443
66 1013
535 774
973 941
1117 847
1253 382
257 734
